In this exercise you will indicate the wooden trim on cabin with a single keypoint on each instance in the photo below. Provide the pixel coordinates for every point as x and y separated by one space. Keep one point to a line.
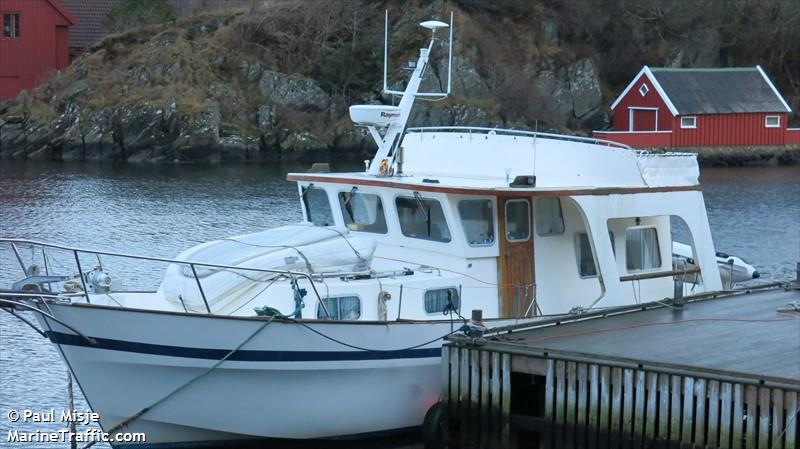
658 274
509 192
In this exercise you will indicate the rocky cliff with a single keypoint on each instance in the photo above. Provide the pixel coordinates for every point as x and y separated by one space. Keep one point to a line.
274 82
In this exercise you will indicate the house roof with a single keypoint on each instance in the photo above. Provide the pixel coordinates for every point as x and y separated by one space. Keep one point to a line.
713 91
92 21
64 13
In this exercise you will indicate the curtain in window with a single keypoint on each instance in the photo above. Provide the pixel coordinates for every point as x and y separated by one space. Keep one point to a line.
341 308
437 300
641 249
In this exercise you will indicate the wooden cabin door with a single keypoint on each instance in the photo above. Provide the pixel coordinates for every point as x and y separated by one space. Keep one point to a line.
516 264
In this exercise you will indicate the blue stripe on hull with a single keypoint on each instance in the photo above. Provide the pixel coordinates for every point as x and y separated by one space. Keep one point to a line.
241 355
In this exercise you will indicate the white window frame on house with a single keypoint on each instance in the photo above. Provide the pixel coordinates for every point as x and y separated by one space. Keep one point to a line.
640 108
694 122
13 25
643 89
777 124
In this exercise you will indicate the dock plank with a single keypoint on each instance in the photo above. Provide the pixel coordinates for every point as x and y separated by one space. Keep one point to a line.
675 408
688 410
663 407
627 403
713 414
751 404
594 400
605 403
699 412
790 400
777 419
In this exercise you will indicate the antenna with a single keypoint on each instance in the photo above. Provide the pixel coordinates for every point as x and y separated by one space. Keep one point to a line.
392 119
432 25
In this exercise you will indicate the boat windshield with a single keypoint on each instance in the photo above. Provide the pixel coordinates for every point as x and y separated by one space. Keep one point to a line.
422 218
318 208
363 212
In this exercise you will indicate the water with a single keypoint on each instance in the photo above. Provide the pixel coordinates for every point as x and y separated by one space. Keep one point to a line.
162 209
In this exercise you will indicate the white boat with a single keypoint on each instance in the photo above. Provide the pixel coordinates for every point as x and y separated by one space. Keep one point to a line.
332 328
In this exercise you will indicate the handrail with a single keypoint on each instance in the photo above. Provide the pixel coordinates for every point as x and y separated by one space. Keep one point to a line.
512 132
659 274
75 251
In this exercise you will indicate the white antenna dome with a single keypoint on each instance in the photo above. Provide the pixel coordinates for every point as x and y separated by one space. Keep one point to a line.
433 25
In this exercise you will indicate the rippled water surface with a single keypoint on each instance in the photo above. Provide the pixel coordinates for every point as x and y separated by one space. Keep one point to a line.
162 209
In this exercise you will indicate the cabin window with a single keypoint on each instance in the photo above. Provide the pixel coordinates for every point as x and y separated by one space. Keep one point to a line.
549 218
422 218
477 219
644 90
585 256
363 212
11 25
586 266
518 220
772 121
441 300
689 122
318 208
340 308
641 249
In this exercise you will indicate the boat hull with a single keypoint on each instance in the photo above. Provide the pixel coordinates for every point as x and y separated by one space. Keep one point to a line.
285 381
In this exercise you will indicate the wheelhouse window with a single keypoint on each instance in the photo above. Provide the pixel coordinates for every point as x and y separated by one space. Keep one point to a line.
363 212
772 121
441 300
585 256
689 122
422 218
549 218
11 25
477 219
518 220
641 249
586 266
340 308
643 90
318 208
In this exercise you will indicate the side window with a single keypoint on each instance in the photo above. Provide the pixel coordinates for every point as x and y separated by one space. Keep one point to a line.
585 256
422 218
340 308
586 266
437 301
318 208
641 249
518 220
363 212
11 25
477 219
549 219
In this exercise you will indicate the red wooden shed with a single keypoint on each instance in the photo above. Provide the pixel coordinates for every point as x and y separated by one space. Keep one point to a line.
34 43
669 107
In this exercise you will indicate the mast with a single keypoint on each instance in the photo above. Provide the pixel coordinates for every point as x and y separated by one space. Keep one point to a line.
394 119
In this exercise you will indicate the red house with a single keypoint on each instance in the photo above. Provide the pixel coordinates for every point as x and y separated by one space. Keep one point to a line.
668 107
34 43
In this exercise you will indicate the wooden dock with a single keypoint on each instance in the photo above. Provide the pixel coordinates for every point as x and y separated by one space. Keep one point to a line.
718 372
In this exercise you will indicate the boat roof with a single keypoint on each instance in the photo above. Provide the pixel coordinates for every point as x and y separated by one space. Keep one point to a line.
488 161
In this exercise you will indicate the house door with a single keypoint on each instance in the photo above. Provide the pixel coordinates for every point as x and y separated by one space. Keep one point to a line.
515 265
643 119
